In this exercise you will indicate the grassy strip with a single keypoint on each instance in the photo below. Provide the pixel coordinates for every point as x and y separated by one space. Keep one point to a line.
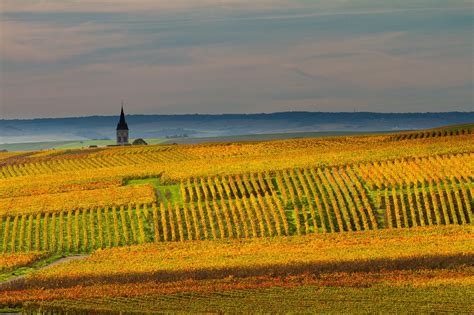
24 270
9 310
164 192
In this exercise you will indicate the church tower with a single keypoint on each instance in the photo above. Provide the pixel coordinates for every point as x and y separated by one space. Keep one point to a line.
122 130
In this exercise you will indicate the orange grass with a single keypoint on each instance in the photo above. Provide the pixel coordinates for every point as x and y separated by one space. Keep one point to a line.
112 196
11 261
368 251
462 276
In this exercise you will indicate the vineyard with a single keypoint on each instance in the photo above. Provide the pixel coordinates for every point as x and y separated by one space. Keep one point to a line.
278 300
102 200
375 260
369 196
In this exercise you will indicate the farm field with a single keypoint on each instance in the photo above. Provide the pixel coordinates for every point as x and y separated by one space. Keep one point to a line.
281 299
217 227
423 260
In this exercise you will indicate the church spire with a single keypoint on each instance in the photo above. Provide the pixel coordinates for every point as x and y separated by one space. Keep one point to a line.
122 124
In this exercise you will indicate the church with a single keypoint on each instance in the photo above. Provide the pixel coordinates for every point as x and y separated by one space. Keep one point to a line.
122 130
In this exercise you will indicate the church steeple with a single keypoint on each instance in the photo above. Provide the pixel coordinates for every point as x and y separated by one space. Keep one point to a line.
122 129
122 124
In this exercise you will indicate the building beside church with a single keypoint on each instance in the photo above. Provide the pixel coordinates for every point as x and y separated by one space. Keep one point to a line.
139 141
122 130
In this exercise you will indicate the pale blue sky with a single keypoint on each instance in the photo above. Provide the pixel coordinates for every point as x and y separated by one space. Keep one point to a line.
74 58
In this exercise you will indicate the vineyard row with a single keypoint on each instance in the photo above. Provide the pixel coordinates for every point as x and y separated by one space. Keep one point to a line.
432 134
83 230
446 202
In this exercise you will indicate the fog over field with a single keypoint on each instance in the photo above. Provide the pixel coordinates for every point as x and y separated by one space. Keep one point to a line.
196 126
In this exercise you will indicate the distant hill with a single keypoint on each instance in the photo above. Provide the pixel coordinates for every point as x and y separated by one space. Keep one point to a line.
160 126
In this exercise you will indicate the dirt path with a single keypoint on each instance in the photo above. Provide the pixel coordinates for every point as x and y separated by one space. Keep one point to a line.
62 260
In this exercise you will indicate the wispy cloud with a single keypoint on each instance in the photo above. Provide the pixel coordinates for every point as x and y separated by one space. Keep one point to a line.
321 7
131 5
23 42
233 56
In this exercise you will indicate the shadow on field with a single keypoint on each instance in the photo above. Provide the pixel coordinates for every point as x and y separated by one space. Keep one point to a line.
421 262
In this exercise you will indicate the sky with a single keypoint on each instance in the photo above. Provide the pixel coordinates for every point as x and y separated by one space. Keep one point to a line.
82 57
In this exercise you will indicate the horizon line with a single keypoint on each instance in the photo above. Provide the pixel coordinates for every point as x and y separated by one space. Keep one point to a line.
241 114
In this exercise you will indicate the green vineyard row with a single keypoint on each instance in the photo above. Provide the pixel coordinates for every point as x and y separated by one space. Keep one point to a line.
292 202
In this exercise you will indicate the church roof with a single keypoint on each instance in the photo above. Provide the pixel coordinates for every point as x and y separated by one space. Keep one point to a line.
122 124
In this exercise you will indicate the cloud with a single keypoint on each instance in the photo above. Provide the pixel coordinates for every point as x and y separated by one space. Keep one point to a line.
257 60
24 42
227 79
321 6
129 5
369 64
